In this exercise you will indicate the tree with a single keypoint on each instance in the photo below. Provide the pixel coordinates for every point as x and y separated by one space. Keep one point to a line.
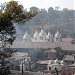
34 9
57 7
13 12
51 14
38 54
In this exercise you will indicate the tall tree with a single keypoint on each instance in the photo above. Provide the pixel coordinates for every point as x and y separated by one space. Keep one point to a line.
13 12
34 9
51 14
57 7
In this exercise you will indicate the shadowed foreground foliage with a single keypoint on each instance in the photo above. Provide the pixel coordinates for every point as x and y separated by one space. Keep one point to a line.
13 12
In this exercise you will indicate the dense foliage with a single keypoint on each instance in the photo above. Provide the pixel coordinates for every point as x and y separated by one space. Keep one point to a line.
54 19
13 12
38 54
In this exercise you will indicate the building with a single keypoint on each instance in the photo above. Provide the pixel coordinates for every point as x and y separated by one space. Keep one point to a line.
26 37
65 48
69 59
42 36
55 64
27 64
16 59
56 45
50 65
52 54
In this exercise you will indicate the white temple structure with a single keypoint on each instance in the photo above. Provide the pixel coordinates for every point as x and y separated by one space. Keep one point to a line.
42 36
35 36
57 37
26 36
55 64
49 37
25 64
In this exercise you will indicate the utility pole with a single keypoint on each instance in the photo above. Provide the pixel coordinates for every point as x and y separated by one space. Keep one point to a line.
22 68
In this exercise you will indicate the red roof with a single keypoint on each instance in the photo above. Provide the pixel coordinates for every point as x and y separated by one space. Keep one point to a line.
67 39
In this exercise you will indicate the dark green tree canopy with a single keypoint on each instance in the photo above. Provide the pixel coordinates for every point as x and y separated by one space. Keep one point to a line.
13 12
38 54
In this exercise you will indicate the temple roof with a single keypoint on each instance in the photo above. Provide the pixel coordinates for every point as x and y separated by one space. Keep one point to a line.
50 62
36 34
46 62
48 35
52 51
25 35
42 33
62 62
56 61
69 58
57 34
63 45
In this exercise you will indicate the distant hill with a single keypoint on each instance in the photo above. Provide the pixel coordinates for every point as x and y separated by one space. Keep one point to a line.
51 20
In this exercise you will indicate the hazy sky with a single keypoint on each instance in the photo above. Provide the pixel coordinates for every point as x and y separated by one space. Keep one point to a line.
46 3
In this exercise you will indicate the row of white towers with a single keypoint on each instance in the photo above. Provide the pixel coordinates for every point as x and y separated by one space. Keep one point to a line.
42 36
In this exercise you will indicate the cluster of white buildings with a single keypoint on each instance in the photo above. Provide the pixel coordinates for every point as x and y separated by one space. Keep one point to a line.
55 64
25 64
42 36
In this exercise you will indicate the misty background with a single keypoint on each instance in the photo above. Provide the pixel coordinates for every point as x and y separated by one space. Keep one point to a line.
50 20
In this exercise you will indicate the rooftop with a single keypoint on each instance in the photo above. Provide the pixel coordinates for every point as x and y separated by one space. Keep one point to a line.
19 55
45 45
69 58
52 50
46 62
